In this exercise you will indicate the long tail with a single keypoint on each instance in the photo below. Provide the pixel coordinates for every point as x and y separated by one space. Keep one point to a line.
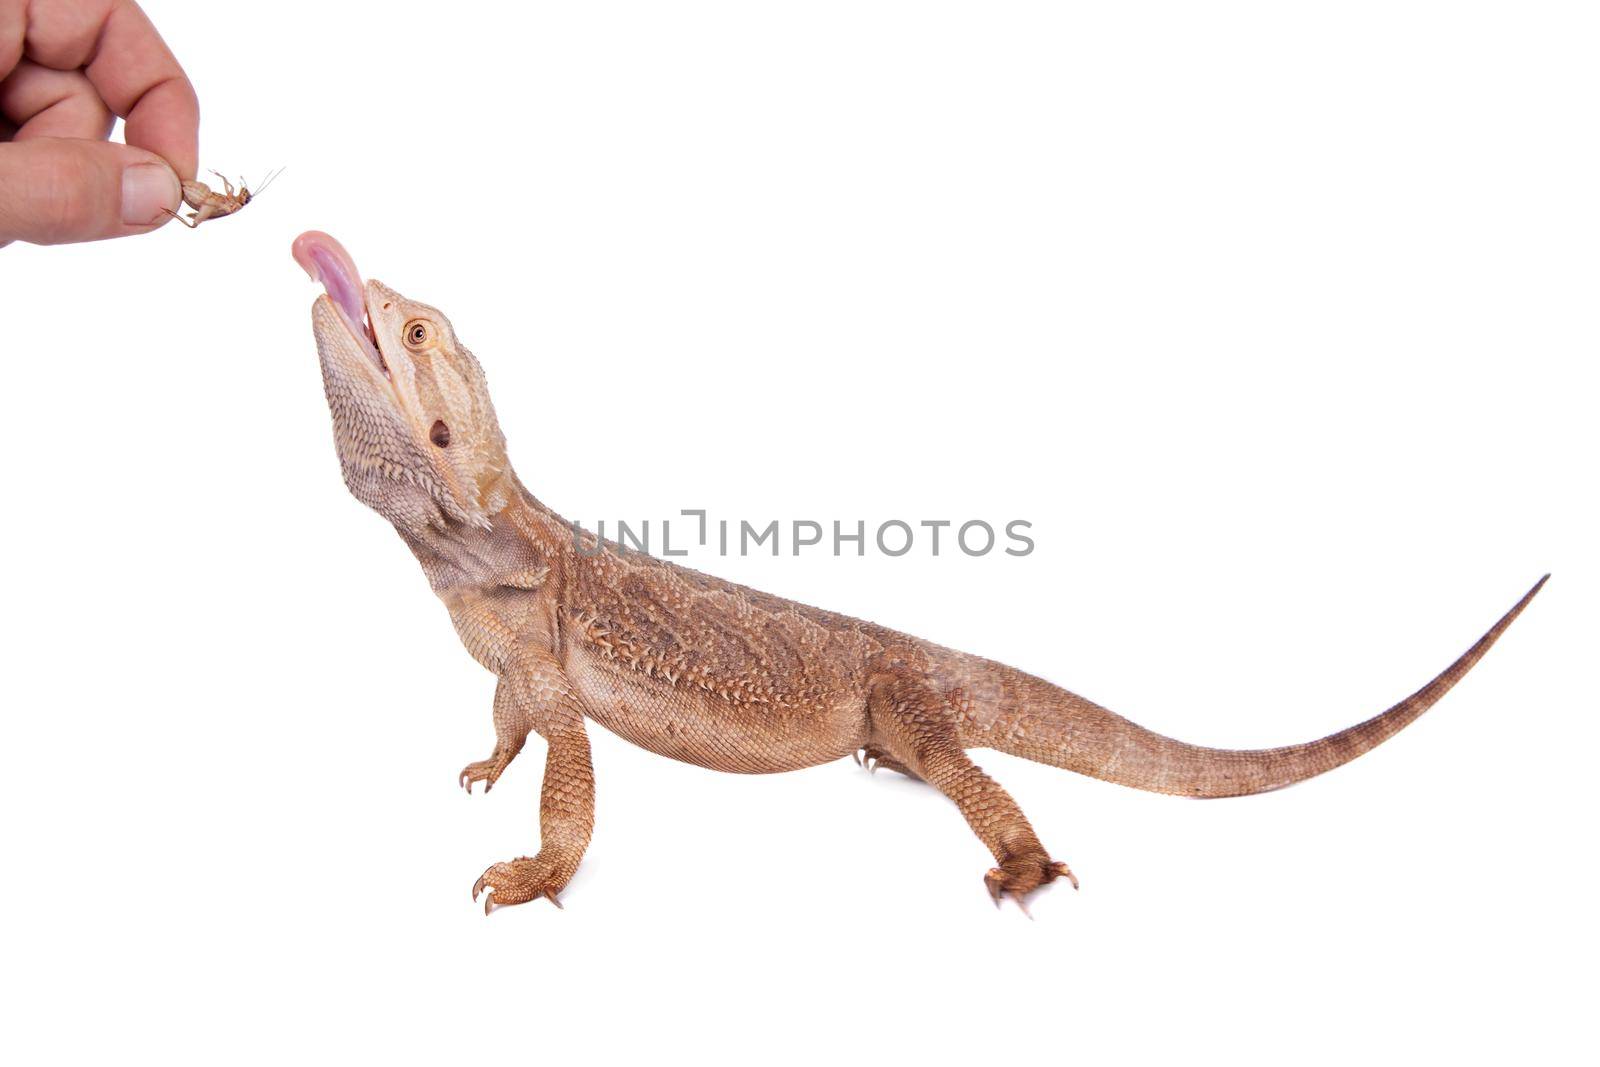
1027 716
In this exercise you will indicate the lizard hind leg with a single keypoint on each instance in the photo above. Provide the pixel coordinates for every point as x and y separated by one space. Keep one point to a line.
875 758
916 726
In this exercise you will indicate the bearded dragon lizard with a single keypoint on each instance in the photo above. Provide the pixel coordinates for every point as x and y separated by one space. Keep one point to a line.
692 667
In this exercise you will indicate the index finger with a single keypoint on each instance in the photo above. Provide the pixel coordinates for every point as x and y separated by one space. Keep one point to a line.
129 65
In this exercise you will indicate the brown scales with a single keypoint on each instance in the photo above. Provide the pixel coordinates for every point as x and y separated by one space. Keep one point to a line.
703 670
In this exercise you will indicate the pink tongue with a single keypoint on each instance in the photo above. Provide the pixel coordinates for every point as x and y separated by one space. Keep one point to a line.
327 262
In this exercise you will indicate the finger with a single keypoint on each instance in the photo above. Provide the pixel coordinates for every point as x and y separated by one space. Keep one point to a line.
53 103
129 65
13 31
60 190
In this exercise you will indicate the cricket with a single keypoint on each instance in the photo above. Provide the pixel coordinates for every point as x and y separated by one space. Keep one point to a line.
210 204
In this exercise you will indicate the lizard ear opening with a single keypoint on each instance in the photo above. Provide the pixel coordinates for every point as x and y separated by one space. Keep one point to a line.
439 434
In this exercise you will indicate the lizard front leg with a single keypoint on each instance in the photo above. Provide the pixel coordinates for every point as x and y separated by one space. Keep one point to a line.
511 728
539 692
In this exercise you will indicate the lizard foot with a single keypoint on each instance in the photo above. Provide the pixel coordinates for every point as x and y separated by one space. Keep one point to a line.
483 770
1017 876
871 757
518 882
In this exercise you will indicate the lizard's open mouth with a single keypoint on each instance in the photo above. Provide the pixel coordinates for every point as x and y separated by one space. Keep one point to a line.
328 263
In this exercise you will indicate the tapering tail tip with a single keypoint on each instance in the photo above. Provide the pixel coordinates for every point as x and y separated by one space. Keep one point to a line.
1275 768
1517 608
1068 731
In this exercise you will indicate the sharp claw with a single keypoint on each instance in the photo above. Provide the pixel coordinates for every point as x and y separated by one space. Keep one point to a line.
505 884
856 755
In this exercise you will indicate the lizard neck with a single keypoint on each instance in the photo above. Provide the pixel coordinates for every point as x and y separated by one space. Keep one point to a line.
500 583
523 540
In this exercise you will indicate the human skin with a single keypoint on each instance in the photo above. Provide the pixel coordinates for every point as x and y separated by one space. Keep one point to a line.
68 70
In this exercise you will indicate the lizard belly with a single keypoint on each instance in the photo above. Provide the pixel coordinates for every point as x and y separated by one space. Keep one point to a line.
691 724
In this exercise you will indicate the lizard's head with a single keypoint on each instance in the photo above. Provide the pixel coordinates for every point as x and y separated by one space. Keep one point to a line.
416 434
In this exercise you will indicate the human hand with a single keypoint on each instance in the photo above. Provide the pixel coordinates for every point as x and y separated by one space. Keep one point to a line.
67 69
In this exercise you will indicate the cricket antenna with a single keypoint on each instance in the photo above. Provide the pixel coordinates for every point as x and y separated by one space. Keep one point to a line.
271 177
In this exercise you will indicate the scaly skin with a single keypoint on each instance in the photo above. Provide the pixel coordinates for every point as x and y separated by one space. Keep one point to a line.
696 668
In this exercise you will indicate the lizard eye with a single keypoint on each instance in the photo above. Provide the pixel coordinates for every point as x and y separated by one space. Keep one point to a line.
440 434
418 332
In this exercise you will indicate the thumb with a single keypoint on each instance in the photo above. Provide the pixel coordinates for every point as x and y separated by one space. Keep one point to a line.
55 190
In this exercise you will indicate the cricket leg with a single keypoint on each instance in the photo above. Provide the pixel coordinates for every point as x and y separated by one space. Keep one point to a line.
918 727
511 729
227 186
539 691
180 218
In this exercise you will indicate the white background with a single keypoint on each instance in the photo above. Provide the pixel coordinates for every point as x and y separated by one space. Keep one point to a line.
1278 321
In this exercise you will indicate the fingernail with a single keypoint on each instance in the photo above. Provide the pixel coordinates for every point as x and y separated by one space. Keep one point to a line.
146 189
